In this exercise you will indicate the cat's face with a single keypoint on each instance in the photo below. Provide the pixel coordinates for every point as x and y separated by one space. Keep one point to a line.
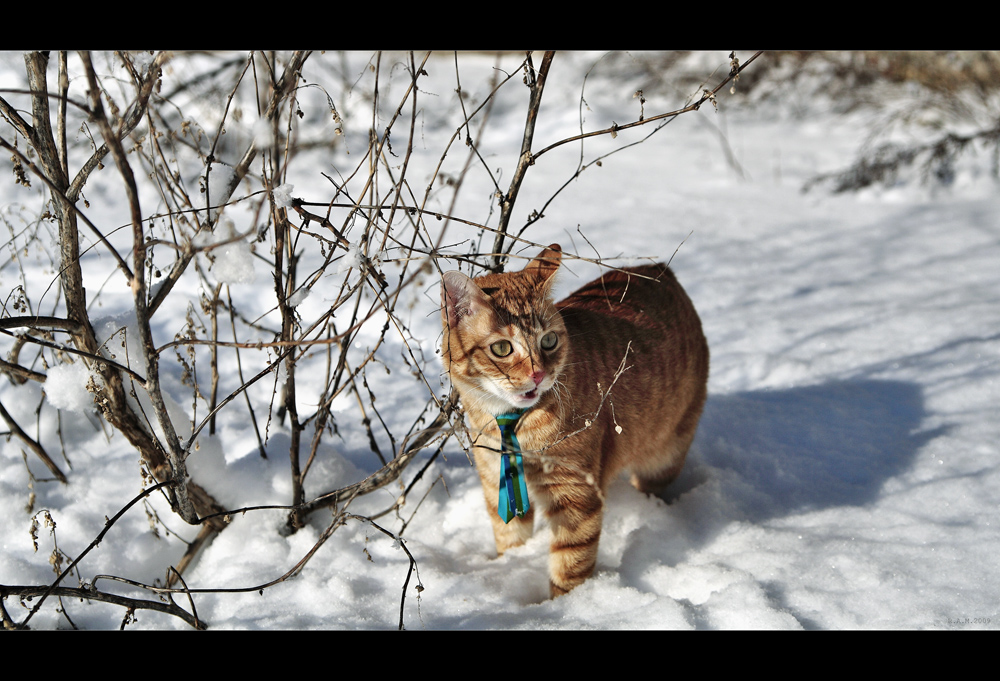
505 343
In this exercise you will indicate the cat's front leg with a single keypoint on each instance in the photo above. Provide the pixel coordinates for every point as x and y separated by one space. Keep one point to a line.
514 533
575 514
518 530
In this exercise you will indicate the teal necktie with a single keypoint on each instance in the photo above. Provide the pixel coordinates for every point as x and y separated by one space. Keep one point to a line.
513 487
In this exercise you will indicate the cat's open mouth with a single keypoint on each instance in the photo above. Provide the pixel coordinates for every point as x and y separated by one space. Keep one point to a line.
528 397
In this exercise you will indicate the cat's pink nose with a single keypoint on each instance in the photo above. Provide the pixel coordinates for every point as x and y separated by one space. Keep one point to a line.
538 377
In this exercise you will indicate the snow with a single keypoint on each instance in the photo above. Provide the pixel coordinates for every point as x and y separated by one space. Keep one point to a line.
221 179
844 473
66 387
283 195
230 254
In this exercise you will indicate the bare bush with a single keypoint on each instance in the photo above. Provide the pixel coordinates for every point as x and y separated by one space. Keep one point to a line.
165 186
929 115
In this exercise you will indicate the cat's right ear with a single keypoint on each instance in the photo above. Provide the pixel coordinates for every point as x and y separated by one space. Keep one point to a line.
546 263
460 297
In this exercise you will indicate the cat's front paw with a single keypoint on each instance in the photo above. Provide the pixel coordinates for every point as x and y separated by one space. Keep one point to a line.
560 589
565 575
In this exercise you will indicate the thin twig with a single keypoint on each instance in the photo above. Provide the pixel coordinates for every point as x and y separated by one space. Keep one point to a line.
536 81
93 544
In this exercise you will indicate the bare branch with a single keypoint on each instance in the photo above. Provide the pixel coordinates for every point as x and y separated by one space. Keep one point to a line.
537 84
33 445
708 95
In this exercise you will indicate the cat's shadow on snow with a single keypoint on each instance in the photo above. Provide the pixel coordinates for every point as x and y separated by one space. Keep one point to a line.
785 451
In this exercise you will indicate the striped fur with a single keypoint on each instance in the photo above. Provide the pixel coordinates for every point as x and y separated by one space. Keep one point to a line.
614 379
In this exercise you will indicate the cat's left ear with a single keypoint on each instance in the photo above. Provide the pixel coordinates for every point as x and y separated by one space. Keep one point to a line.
547 262
460 297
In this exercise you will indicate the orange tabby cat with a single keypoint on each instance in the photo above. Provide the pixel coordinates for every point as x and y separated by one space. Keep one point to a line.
611 379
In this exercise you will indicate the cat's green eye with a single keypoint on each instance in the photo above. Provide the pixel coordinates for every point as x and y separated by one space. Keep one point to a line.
502 348
549 340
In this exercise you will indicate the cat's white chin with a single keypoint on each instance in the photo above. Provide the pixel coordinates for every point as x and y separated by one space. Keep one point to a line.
499 403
